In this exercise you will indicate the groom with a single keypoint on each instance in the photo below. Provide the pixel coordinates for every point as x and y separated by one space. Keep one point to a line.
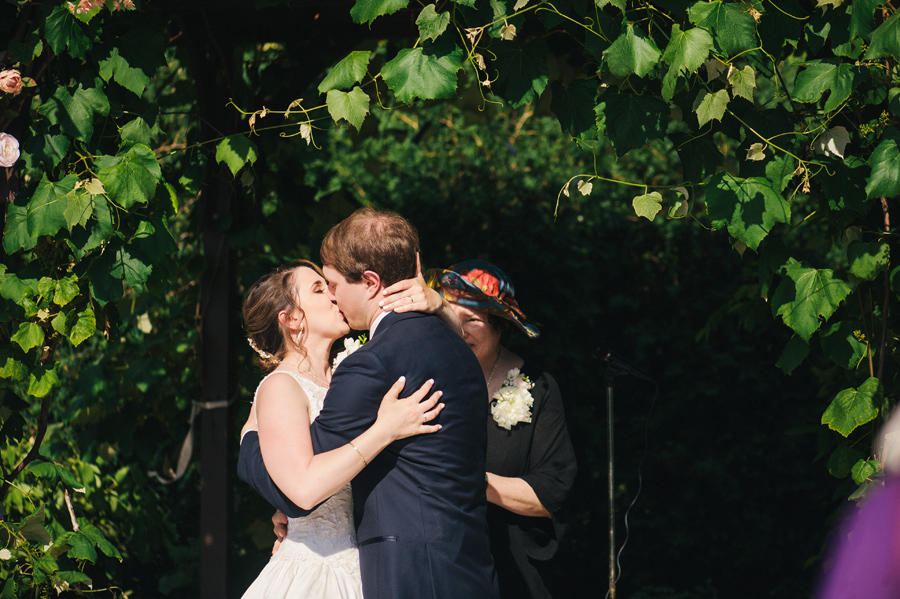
420 505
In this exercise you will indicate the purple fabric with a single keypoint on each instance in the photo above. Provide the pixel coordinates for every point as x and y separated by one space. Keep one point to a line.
864 559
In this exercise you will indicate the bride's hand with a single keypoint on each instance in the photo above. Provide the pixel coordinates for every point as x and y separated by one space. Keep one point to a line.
411 295
406 417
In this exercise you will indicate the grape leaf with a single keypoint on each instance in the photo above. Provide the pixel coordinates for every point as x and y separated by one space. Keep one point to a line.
868 259
352 106
632 120
886 39
65 291
732 27
885 163
632 53
431 23
236 151
648 205
841 344
863 470
28 335
84 327
78 208
75 112
62 31
41 380
710 106
522 71
117 68
53 473
131 177
46 209
853 407
743 82
750 207
347 72
426 73
366 11
807 296
15 233
573 105
685 52
793 355
822 76
842 460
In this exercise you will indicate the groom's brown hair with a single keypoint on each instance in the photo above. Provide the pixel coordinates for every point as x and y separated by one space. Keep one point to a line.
380 241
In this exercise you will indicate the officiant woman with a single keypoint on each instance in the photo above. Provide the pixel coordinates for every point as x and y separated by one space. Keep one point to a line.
530 460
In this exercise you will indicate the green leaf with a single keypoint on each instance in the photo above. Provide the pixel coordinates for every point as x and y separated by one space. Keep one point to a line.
743 82
153 240
79 208
573 106
648 205
75 113
82 547
632 53
885 164
84 327
33 530
780 171
366 11
73 577
53 473
732 27
347 72
522 71
806 297
353 106
96 537
136 131
867 259
46 209
60 323
236 151
853 407
793 355
685 52
10 368
103 226
131 177
66 290
426 73
842 460
110 269
886 39
841 343
116 67
63 32
432 23
632 119
41 380
28 335
43 148
862 18
709 106
620 4
750 207
863 470
822 76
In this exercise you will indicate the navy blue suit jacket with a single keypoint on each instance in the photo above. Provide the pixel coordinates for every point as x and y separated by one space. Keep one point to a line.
420 506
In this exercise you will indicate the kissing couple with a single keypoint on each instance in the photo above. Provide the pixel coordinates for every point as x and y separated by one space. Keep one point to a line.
412 524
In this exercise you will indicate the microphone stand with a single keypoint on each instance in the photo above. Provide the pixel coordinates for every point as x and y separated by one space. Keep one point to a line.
614 365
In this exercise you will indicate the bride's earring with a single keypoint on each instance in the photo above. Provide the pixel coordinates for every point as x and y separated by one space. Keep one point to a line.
299 333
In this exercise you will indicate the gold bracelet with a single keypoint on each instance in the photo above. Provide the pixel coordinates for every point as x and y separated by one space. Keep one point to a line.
359 453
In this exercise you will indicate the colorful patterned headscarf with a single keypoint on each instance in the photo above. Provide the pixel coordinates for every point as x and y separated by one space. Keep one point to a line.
481 285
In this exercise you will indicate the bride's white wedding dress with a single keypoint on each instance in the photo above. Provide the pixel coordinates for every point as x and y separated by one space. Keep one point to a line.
318 559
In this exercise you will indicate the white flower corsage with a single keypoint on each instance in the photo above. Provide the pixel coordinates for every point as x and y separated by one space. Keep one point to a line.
350 346
512 402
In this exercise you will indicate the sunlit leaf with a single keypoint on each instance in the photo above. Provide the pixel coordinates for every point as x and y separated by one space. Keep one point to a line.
84 327
822 76
743 82
756 151
648 205
806 297
853 407
685 52
749 207
41 380
28 335
886 39
236 151
632 53
868 259
46 209
711 106
424 73
116 67
732 27
366 11
864 470
347 72
131 177
352 106
885 163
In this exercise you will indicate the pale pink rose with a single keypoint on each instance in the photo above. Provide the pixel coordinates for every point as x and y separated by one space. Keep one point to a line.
11 82
9 149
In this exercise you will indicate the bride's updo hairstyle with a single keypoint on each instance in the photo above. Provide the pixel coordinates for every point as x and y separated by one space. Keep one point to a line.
267 297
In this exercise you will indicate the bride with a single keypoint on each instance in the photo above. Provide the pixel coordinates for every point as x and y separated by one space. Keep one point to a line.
292 324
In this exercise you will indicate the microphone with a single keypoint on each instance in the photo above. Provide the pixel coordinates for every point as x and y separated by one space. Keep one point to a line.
617 364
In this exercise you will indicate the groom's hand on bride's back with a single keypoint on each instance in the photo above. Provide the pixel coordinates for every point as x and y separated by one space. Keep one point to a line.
280 521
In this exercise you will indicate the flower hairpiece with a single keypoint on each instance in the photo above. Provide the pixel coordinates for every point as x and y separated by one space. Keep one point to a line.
262 354
512 402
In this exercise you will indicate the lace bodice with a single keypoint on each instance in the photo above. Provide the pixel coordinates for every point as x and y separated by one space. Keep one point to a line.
327 532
